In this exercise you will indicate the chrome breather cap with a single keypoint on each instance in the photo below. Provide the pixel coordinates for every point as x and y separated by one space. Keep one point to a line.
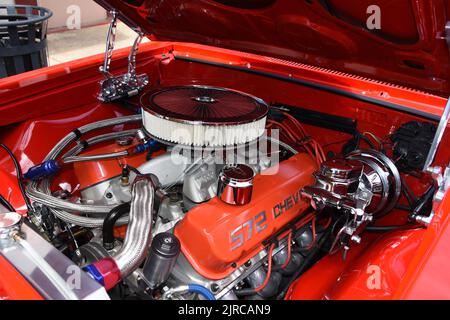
236 184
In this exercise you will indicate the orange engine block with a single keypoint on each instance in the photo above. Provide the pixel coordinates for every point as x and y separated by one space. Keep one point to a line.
217 238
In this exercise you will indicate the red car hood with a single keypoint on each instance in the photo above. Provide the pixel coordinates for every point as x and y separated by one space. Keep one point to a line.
410 48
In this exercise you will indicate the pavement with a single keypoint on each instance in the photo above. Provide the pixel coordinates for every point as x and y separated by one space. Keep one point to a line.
68 45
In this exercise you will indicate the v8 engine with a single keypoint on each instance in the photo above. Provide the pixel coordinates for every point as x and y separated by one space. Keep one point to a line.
209 193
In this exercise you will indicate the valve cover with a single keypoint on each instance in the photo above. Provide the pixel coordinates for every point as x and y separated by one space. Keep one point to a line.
217 237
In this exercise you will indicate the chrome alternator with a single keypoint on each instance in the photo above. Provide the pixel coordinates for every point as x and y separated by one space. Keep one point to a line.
363 186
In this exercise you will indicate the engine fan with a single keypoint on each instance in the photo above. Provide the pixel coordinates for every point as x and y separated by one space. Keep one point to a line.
203 116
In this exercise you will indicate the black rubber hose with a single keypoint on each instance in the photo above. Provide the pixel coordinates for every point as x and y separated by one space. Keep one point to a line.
6 204
403 207
136 171
19 176
408 193
380 229
424 202
245 292
110 221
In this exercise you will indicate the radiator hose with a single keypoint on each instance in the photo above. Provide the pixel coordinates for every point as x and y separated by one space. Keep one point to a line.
110 271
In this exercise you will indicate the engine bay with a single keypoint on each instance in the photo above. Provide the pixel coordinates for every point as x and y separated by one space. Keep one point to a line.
195 190
186 204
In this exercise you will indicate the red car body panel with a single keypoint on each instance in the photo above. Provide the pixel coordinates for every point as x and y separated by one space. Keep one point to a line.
13 286
409 49
39 107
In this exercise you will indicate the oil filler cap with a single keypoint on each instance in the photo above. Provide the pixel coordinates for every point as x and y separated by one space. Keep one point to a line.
236 184
166 245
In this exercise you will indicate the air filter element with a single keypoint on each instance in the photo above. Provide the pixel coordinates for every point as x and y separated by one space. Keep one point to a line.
203 116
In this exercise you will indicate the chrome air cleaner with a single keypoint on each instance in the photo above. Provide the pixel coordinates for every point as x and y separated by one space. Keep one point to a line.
203 116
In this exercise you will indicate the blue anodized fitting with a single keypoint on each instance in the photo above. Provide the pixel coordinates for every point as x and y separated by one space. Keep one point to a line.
45 169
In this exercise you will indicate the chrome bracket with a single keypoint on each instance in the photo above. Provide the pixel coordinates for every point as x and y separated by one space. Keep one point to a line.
442 179
425 220
126 85
447 33
442 124
437 139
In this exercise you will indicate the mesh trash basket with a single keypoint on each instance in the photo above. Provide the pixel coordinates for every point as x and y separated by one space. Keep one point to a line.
23 39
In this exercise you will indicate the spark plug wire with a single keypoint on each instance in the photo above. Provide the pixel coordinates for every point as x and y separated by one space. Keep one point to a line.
269 270
289 247
270 267
313 227
290 129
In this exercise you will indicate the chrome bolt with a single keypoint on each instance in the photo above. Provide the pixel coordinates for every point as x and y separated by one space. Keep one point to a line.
124 141
435 170
356 239
141 136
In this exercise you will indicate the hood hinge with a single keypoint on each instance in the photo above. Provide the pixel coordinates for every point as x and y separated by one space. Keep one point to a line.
126 85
